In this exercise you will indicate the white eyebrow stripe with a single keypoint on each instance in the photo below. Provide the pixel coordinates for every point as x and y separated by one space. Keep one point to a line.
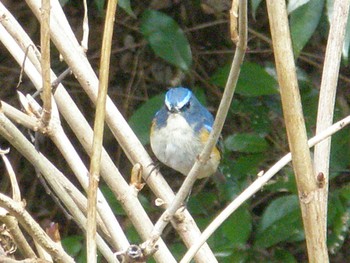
167 103
185 100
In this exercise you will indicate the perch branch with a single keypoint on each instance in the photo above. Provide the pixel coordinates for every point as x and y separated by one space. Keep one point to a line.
63 37
217 127
256 186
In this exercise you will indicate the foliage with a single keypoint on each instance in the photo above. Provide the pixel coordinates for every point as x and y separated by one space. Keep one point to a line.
254 138
268 228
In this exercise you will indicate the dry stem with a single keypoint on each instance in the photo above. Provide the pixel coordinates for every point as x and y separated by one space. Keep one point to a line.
327 100
98 131
296 131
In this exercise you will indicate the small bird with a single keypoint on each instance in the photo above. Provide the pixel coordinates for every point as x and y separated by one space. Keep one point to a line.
180 130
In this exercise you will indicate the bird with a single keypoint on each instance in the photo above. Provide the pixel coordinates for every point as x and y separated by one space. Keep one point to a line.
179 132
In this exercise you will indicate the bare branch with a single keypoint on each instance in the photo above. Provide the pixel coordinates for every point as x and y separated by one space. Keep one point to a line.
327 100
296 131
217 127
68 46
256 186
78 124
45 60
33 228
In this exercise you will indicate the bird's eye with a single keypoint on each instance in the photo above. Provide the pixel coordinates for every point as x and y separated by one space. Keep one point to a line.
187 105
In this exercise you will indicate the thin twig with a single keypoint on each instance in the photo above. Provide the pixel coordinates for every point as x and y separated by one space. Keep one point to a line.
85 39
98 130
16 193
45 60
255 187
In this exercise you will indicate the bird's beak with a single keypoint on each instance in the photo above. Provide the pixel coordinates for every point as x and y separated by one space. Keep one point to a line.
174 109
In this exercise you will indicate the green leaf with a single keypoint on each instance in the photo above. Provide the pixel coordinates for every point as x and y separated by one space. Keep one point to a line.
285 183
246 142
247 164
233 255
63 2
303 23
126 6
340 151
141 120
281 221
282 255
346 44
100 5
202 203
253 80
256 111
74 245
255 4
112 201
238 227
166 38
339 219
295 4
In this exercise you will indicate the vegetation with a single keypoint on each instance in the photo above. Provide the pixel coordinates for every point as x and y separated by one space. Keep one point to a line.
159 44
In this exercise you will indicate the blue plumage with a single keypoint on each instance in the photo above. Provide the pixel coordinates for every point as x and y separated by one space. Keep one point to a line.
179 131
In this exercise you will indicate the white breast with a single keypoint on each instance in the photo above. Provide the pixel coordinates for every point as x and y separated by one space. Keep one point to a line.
175 145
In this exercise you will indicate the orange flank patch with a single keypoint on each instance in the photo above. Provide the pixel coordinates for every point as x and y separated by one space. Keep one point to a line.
204 136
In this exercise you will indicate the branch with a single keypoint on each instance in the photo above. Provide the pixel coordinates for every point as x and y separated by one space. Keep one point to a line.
256 186
217 127
98 131
327 100
63 37
85 39
45 60
16 193
64 189
10 221
33 228
110 227
12 225
77 123
296 131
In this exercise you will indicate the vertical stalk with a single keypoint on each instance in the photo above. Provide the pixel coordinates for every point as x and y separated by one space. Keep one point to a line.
326 102
45 60
296 131
98 130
